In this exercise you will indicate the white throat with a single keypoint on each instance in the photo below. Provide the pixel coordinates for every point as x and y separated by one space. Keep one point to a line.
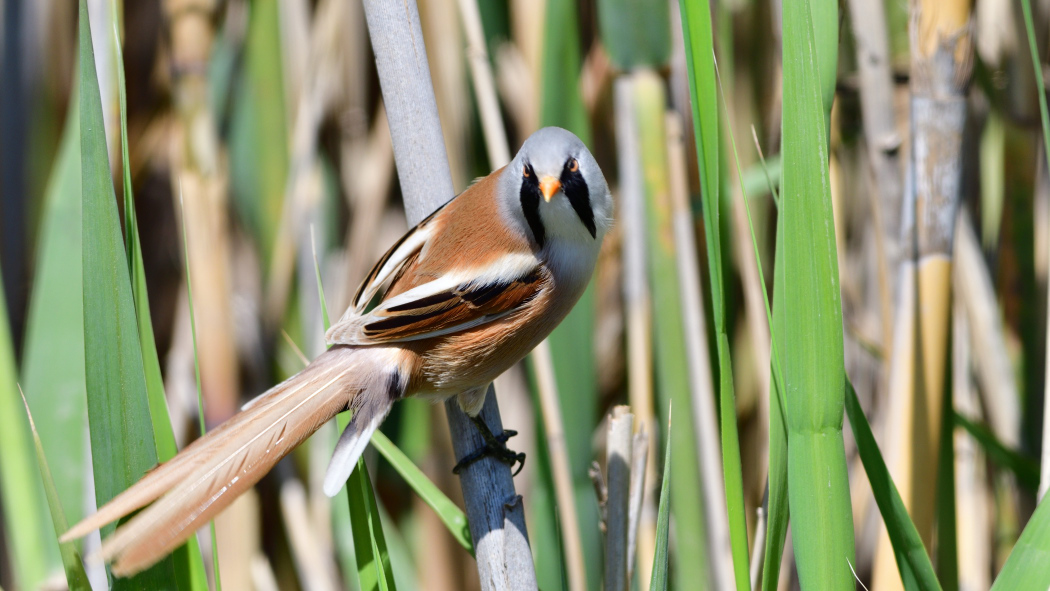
571 262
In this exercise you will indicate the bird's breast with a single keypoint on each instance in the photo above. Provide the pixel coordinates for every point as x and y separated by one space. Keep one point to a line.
450 364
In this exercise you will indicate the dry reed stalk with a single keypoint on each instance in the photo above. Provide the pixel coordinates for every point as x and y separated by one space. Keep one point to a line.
263 578
992 365
494 510
547 387
436 558
636 300
618 458
238 532
701 381
527 38
868 20
484 84
974 533
595 73
367 173
759 547
199 177
639 464
320 67
367 159
313 562
200 181
512 75
441 31
180 383
942 55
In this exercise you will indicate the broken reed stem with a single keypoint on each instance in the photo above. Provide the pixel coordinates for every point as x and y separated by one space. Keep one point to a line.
618 470
639 464
494 509
759 548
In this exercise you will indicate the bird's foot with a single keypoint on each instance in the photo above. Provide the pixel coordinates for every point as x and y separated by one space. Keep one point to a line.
495 446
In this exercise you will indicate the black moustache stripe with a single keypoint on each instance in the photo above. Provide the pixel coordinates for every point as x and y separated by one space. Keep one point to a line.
530 205
575 188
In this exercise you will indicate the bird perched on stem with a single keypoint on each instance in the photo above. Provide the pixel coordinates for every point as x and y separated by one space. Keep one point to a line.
465 294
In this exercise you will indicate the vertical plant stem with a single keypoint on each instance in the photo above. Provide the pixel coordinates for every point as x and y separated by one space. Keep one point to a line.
618 471
198 171
1044 116
992 364
971 507
759 548
639 465
494 509
635 289
701 383
672 362
197 373
868 19
699 45
942 56
808 300
484 84
547 387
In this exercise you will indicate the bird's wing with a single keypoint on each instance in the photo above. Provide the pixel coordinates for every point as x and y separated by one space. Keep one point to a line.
394 260
451 303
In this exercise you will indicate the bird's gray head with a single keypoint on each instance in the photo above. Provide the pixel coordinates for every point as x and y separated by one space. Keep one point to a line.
555 188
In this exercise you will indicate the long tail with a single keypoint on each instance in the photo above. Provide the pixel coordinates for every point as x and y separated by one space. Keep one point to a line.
205 477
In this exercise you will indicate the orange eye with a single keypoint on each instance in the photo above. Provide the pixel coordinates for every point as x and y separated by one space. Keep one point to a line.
574 165
525 171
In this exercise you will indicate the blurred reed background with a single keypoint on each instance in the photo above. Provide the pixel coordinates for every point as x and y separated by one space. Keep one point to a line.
846 212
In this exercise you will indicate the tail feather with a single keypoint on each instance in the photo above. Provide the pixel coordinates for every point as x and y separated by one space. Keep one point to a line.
206 477
352 442
164 477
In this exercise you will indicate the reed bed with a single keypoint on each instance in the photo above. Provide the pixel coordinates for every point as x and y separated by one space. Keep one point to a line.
813 354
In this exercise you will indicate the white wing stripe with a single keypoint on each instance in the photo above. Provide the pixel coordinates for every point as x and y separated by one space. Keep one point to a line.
412 243
507 268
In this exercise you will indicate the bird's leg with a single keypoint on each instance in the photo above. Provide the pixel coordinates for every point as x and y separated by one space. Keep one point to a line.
495 446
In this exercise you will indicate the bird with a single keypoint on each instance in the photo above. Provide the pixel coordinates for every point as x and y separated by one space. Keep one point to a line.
461 297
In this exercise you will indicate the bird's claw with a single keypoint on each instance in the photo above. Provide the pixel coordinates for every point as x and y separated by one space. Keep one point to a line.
495 447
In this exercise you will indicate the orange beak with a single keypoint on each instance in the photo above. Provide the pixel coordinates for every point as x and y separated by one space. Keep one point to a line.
549 186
